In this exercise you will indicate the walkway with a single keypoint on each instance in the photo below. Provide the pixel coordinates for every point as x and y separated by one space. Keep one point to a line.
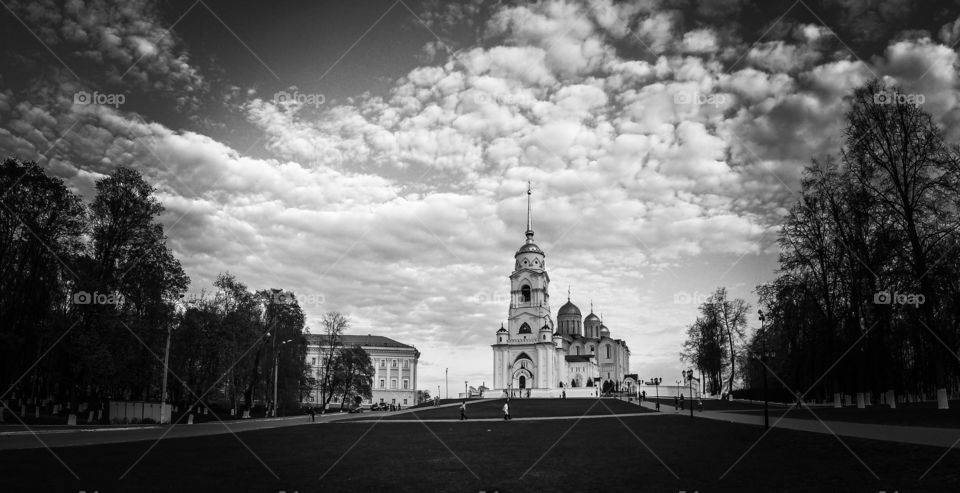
919 435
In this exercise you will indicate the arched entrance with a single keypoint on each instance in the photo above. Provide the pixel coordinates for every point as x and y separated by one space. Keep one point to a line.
523 379
522 382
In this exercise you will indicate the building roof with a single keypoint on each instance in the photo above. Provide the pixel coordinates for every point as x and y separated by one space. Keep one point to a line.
358 340
529 247
591 317
569 308
578 357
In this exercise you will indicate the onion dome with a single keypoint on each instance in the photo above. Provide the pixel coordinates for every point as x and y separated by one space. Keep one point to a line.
604 331
501 329
591 318
569 308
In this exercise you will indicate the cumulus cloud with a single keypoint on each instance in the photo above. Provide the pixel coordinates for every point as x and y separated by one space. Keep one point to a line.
404 208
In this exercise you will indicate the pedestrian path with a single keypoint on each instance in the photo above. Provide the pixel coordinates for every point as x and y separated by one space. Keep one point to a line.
919 435
531 418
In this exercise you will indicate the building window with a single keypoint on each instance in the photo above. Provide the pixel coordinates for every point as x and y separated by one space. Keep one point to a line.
525 294
383 363
313 361
608 350
394 363
393 401
591 349
383 383
524 329
404 402
406 364
393 384
578 350
406 384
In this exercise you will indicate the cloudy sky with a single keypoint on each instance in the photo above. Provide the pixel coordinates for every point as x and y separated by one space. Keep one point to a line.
372 156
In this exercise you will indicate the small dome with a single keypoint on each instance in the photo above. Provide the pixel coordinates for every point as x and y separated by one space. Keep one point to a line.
529 248
501 329
569 308
604 329
592 318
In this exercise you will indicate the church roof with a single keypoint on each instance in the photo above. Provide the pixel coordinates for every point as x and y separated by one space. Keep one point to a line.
529 247
569 308
501 330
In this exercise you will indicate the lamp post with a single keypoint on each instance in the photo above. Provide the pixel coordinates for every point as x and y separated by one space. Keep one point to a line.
276 365
465 393
763 358
656 384
446 380
164 408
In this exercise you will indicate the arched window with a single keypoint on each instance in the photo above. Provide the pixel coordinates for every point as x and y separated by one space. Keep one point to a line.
525 293
524 329
591 349
578 350
608 350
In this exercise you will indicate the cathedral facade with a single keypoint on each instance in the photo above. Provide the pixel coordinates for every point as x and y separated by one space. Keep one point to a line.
535 356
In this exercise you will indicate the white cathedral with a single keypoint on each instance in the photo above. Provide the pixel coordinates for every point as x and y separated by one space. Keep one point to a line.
534 357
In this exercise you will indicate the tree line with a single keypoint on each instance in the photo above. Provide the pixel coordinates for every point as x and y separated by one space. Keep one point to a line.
92 299
866 298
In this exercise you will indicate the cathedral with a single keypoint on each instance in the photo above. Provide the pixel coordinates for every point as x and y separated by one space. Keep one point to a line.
534 356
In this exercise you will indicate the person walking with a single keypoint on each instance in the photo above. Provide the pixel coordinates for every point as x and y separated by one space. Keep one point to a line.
463 410
681 402
699 404
506 411
676 404
313 414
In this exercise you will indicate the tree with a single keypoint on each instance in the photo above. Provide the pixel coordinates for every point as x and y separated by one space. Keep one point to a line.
354 374
423 396
334 324
897 152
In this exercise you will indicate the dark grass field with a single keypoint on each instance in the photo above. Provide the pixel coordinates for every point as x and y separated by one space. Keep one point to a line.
550 456
519 408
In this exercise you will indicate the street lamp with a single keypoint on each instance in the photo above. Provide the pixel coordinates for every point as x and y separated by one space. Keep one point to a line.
689 376
465 393
763 357
164 407
656 384
276 365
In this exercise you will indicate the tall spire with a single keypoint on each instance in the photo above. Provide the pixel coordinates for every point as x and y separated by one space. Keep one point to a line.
529 215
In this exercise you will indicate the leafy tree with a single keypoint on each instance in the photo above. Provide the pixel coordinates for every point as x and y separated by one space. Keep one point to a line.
354 374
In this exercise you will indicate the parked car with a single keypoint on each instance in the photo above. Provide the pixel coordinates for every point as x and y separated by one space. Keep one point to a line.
378 406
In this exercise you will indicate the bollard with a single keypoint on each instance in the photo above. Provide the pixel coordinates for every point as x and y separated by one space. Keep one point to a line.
71 419
190 419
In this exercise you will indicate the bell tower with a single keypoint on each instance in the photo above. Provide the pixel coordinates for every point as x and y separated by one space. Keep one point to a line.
529 288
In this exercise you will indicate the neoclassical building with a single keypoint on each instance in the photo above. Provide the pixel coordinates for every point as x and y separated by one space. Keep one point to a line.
532 352
394 363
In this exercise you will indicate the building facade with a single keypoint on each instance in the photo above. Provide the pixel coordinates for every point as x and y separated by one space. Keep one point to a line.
394 363
532 353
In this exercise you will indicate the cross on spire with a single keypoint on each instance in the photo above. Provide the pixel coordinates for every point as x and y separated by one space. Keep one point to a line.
529 215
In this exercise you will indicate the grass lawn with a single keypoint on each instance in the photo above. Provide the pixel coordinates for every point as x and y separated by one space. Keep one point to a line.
519 408
556 455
